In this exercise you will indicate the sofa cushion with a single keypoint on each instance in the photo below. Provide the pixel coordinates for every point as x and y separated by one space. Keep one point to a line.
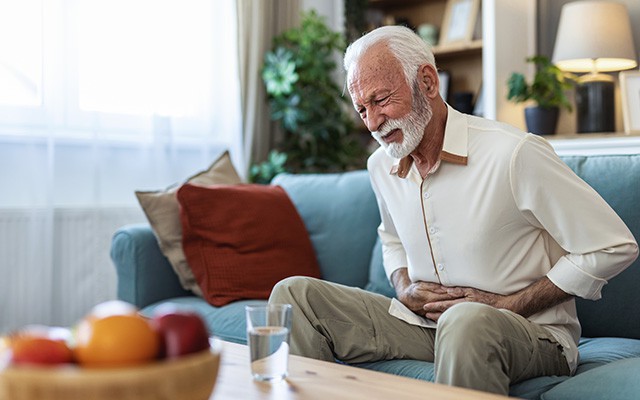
615 178
341 215
415 369
227 322
423 370
378 281
162 211
240 240
533 388
595 352
617 380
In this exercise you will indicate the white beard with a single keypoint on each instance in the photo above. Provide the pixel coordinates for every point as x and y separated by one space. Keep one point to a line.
412 126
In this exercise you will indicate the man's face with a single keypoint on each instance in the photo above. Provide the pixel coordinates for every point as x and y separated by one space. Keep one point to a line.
396 115
412 127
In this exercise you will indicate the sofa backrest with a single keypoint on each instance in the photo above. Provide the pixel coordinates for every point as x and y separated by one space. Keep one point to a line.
617 179
341 215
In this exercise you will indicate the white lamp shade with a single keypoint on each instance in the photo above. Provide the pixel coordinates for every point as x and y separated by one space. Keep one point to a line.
594 36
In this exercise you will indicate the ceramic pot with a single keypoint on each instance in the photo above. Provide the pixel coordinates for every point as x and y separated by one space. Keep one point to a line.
541 121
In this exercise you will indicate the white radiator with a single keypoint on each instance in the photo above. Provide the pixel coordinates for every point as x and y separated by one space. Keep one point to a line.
55 265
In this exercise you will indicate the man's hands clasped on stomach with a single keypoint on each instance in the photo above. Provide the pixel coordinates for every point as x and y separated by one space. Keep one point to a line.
417 295
430 300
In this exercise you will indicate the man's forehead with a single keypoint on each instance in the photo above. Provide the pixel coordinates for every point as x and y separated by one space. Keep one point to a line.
377 67
373 57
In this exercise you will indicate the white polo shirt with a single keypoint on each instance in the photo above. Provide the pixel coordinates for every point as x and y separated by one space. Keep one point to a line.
498 212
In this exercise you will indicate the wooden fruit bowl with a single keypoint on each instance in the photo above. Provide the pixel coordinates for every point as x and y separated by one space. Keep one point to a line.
191 377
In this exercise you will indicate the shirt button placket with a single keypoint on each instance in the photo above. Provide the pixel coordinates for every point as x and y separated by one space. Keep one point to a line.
432 231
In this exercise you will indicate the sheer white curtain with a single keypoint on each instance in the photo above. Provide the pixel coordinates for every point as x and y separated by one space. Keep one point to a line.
258 23
99 98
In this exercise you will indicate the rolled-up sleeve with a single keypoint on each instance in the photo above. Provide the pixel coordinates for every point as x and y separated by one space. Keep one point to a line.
552 197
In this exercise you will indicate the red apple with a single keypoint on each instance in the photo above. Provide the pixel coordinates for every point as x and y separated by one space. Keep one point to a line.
26 349
40 344
182 332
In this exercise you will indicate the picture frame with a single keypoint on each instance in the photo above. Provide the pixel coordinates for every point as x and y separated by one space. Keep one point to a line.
630 91
459 21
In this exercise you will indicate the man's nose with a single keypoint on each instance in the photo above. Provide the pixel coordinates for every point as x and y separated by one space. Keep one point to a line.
374 120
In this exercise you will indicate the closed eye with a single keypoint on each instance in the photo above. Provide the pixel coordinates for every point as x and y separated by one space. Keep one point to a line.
381 100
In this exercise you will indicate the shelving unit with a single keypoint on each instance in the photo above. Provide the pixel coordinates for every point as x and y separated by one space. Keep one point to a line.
504 36
463 61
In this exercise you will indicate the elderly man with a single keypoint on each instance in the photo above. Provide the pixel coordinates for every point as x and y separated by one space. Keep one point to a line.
487 237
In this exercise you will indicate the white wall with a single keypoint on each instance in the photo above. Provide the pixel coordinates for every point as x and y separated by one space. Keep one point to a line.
508 34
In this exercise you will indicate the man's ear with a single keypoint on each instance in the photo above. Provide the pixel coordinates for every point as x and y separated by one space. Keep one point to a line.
428 78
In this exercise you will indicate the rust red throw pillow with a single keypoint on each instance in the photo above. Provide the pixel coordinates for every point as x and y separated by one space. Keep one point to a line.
240 240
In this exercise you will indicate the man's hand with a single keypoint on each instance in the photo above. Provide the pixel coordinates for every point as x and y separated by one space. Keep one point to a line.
415 295
433 310
538 296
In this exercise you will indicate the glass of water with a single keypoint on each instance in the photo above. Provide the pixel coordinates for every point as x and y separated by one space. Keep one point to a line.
268 328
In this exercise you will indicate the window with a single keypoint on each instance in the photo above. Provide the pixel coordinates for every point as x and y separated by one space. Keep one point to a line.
117 68
99 98
21 60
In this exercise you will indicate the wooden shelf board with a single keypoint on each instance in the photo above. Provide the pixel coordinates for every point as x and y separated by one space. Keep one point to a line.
455 49
393 3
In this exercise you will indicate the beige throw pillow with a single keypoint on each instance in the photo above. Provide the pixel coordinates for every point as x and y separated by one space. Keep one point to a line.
163 212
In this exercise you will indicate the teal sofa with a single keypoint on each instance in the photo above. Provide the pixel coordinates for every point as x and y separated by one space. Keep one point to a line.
341 216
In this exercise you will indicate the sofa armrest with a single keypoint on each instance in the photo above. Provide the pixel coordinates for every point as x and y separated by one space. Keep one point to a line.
144 273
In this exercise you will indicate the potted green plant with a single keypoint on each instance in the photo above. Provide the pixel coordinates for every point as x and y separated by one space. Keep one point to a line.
547 92
299 76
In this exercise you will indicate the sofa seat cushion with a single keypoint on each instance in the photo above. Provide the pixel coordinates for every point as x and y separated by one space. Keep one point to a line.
415 369
616 380
595 352
423 370
227 322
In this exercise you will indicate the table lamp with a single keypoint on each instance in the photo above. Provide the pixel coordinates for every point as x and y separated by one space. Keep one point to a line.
594 37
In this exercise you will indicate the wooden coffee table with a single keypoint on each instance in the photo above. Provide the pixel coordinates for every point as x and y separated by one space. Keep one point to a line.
313 379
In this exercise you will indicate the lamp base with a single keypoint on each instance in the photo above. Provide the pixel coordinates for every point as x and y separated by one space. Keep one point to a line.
595 107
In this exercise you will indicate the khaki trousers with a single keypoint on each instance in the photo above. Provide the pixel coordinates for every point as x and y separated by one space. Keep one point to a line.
475 346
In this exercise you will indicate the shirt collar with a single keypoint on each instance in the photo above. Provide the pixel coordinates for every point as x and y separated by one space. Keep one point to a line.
454 149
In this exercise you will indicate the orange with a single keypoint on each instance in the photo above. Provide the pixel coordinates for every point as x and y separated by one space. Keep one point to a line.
115 341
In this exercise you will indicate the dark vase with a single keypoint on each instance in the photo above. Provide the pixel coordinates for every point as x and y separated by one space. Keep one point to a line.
541 120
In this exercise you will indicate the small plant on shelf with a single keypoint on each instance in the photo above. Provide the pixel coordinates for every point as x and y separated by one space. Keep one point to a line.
547 89
547 92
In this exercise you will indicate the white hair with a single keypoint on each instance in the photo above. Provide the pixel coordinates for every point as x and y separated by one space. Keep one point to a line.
410 50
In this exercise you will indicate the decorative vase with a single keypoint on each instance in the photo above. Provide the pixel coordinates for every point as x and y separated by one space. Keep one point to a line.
541 120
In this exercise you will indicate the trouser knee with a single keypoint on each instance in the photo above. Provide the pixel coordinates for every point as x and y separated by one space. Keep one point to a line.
466 323
468 336
289 288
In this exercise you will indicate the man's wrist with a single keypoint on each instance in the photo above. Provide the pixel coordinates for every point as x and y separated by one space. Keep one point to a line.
400 282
